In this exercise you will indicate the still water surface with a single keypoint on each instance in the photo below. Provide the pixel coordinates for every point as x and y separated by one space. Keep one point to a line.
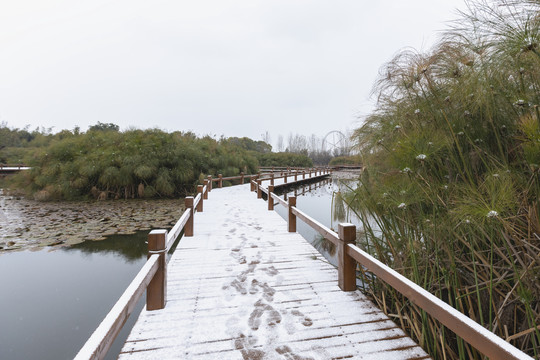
320 201
51 301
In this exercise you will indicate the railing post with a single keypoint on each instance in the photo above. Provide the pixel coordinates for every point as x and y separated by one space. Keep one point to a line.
242 178
205 195
270 198
188 228
259 191
272 179
292 217
200 204
346 264
303 174
285 178
296 176
209 183
220 181
156 291
252 183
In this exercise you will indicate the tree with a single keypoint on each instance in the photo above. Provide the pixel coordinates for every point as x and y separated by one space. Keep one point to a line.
266 137
104 127
280 146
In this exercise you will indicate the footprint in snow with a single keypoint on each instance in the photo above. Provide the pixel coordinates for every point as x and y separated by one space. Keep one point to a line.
271 270
305 320
287 352
273 316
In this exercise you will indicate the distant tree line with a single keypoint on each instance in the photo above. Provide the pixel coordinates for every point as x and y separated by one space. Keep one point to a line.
313 147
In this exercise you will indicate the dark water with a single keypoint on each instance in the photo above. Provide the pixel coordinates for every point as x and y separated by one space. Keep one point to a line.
322 202
52 301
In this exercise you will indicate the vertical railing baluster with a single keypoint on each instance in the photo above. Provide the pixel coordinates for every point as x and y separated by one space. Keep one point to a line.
156 292
206 191
270 198
346 264
188 228
292 217
200 204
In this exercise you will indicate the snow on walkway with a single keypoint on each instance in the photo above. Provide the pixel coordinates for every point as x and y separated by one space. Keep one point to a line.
245 288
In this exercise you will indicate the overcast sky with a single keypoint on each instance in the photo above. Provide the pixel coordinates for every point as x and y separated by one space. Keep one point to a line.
217 67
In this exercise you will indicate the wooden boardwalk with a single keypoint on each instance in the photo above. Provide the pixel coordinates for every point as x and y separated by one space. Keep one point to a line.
245 288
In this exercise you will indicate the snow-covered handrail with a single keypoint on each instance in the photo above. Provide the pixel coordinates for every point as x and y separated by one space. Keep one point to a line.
278 199
327 233
469 330
100 341
177 228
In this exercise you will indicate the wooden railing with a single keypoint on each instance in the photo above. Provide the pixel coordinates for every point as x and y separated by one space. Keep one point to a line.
219 180
267 173
152 278
13 167
297 175
349 255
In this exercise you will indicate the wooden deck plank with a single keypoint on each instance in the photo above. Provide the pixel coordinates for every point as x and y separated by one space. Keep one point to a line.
245 288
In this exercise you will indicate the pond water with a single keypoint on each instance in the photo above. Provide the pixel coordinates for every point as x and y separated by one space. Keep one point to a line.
52 300
321 202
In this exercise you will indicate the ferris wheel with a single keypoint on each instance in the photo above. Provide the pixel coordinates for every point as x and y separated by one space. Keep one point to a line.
336 143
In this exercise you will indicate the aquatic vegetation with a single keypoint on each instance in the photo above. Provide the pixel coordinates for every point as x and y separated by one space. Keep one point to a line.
450 194
107 163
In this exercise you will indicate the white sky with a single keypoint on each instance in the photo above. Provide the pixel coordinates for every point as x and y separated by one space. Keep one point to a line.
217 67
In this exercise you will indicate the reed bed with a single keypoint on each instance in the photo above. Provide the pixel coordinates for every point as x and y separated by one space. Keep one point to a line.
450 193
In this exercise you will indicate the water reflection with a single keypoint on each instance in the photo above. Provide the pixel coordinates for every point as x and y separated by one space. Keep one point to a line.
130 248
324 202
324 246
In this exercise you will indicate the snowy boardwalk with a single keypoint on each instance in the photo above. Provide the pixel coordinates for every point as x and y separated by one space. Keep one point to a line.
245 288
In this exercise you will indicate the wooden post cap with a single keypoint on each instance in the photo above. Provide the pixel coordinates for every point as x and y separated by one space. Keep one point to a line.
156 240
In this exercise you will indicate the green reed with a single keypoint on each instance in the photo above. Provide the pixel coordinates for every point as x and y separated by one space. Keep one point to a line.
450 193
